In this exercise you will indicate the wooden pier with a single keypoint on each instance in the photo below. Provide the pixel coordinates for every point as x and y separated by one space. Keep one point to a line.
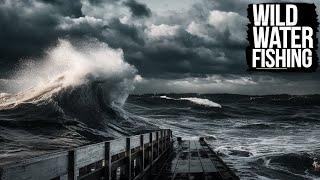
153 155
191 159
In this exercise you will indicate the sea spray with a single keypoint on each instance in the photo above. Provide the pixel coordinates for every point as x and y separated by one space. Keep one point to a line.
66 66
81 88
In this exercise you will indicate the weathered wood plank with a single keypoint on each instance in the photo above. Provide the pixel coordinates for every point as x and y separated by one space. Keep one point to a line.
158 142
146 138
67 165
134 141
73 172
108 164
208 166
118 146
44 167
154 136
142 153
151 148
195 166
89 154
193 146
182 166
186 162
128 165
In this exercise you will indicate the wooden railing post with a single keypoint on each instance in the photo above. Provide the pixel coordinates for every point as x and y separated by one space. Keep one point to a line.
128 153
72 175
107 161
165 139
142 152
170 138
162 141
151 149
158 147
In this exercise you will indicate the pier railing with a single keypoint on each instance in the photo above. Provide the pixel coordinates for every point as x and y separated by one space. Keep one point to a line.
125 158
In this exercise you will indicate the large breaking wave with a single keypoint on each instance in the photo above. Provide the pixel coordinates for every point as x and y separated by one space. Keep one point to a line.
65 67
72 96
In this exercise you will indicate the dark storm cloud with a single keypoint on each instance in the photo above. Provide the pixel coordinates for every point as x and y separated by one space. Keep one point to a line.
186 55
207 40
28 28
181 55
128 31
22 34
138 9
66 8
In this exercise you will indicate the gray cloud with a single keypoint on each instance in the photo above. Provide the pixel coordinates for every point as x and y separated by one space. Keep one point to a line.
138 9
180 54
206 40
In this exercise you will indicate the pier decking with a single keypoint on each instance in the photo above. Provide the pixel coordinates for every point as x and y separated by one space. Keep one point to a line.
147 156
191 159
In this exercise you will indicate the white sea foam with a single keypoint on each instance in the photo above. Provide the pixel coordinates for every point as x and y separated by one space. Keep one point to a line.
66 66
199 101
204 102
166 97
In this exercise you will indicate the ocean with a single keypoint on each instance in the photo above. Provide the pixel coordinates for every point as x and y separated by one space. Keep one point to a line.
74 97
260 137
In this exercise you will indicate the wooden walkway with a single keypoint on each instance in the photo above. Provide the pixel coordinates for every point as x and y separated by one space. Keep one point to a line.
191 159
147 156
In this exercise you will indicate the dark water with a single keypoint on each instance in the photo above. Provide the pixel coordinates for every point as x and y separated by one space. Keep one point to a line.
261 137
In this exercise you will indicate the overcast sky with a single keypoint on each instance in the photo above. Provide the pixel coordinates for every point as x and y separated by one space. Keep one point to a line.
176 45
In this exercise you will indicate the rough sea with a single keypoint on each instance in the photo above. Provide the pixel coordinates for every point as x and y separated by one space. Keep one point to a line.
260 137
76 97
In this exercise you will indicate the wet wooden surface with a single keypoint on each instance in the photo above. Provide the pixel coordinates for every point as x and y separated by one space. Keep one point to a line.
154 155
192 159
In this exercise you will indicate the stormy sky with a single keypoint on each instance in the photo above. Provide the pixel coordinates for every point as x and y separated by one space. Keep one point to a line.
177 46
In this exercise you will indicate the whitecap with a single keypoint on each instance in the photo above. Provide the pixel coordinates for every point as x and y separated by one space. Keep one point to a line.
204 102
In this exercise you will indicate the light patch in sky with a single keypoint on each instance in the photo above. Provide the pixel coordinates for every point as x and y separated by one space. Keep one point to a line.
234 22
197 30
234 84
168 5
162 30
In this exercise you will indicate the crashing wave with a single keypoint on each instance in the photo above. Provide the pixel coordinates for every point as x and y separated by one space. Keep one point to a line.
67 66
87 84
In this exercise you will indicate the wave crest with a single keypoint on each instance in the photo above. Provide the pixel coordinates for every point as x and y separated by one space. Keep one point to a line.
204 102
195 100
67 66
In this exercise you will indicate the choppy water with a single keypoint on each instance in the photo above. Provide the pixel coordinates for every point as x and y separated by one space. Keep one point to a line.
78 96
261 137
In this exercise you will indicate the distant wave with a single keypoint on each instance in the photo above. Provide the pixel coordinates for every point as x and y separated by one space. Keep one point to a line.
204 102
199 101
166 97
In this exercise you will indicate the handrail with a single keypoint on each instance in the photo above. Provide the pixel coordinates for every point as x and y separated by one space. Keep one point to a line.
128 157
